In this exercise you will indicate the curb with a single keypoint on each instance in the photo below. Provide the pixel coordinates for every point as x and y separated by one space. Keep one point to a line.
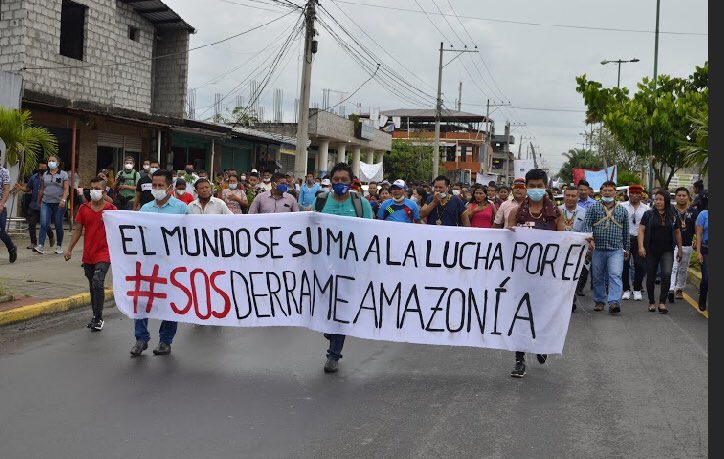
48 307
693 278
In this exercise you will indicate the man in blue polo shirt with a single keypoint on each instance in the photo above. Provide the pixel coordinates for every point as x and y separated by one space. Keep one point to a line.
399 208
585 200
163 203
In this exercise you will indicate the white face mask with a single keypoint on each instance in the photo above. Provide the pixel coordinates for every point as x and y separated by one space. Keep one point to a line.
267 180
153 169
233 186
242 178
400 199
180 192
456 192
159 195
96 195
128 166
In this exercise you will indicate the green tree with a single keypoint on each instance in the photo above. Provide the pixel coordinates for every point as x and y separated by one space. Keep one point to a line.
578 158
661 111
696 147
25 143
626 177
409 162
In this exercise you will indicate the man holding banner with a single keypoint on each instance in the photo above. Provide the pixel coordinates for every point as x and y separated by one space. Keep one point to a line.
163 203
536 211
347 204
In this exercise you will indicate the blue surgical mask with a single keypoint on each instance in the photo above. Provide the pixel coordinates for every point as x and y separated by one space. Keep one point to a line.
536 194
153 169
52 165
607 198
340 188
282 188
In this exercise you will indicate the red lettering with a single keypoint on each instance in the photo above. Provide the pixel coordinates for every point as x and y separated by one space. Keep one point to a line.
208 293
172 277
227 300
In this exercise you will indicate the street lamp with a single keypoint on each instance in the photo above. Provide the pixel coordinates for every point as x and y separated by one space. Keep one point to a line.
619 62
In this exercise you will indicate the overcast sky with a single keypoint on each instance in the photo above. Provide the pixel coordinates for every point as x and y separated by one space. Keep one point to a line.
532 66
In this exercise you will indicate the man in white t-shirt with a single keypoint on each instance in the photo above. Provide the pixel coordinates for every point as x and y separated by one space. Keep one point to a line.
636 210
505 209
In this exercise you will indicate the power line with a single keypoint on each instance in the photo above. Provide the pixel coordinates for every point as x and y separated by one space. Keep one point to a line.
159 57
536 24
432 22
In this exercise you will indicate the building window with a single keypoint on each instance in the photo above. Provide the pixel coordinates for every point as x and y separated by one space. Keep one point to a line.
134 33
72 29
463 153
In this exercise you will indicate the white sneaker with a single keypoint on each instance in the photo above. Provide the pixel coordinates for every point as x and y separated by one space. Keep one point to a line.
59 249
38 249
638 296
626 295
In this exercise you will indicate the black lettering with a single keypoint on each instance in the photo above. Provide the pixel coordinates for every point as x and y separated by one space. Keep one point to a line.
243 236
230 250
526 299
455 254
549 261
384 299
462 311
334 239
374 247
254 295
186 242
371 291
515 254
300 248
124 239
498 291
401 320
164 233
539 246
485 258
497 256
351 247
389 260
290 291
428 263
274 293
143 242
337 299
472 303
436 308
327 286
581 256
213 247
273 244
462 254
410 253
258 239
306 290
233 295
310 245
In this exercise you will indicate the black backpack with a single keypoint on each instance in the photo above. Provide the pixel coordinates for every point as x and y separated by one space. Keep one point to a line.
322 200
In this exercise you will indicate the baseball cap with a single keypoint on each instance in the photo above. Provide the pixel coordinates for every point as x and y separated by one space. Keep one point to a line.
326 182
398 184
635 189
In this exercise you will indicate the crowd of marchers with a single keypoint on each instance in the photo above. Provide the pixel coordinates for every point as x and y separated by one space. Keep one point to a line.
635 237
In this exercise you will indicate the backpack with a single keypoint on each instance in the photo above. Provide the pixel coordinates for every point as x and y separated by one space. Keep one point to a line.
389 211
322 200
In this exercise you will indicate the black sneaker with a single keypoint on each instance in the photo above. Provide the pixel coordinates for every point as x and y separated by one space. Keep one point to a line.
139 347
162 349
90 324
96 325
702 307
13 252
671 297
518 370
541 358
331 366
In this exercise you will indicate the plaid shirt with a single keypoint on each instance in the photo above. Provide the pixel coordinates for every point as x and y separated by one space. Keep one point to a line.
607 235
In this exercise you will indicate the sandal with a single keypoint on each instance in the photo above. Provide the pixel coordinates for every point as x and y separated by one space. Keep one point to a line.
652 308
662 309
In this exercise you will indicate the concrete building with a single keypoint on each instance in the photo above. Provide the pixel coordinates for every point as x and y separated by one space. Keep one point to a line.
462 138
502 163
333 139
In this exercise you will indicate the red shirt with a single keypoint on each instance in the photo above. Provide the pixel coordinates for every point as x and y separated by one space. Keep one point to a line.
482 219
95 245
186 198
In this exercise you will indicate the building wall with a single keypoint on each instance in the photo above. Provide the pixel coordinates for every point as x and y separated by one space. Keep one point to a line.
31 38
170 74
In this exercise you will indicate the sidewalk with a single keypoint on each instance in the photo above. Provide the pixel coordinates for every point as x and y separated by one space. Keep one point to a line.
43 284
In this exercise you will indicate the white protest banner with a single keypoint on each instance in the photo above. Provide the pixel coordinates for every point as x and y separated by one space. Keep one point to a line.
371 279
522 166
370 172
484 179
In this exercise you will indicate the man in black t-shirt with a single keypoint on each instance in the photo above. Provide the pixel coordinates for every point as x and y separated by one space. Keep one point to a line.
143 187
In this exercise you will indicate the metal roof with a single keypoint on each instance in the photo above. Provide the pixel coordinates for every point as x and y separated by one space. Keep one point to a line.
428 114
159 14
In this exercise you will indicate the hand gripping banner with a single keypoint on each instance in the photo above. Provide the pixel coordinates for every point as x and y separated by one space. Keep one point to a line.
371 279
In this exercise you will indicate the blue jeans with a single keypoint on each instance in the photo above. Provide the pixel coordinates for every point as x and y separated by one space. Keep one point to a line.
336 343
55 212
607 265
166 331
4 236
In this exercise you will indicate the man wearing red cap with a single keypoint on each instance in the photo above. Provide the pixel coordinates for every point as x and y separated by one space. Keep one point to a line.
509 206
636 210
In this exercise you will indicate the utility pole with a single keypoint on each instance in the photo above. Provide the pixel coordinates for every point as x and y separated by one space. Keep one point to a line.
438 108
310 47
488 142
460 95
656 64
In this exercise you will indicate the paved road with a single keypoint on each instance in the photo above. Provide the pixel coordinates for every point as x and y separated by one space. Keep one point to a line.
633 385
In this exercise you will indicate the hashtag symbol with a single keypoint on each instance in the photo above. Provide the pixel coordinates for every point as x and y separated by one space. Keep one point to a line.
150 294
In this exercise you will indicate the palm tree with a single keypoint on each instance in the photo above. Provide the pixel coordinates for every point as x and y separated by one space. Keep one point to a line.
696 150
25 143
